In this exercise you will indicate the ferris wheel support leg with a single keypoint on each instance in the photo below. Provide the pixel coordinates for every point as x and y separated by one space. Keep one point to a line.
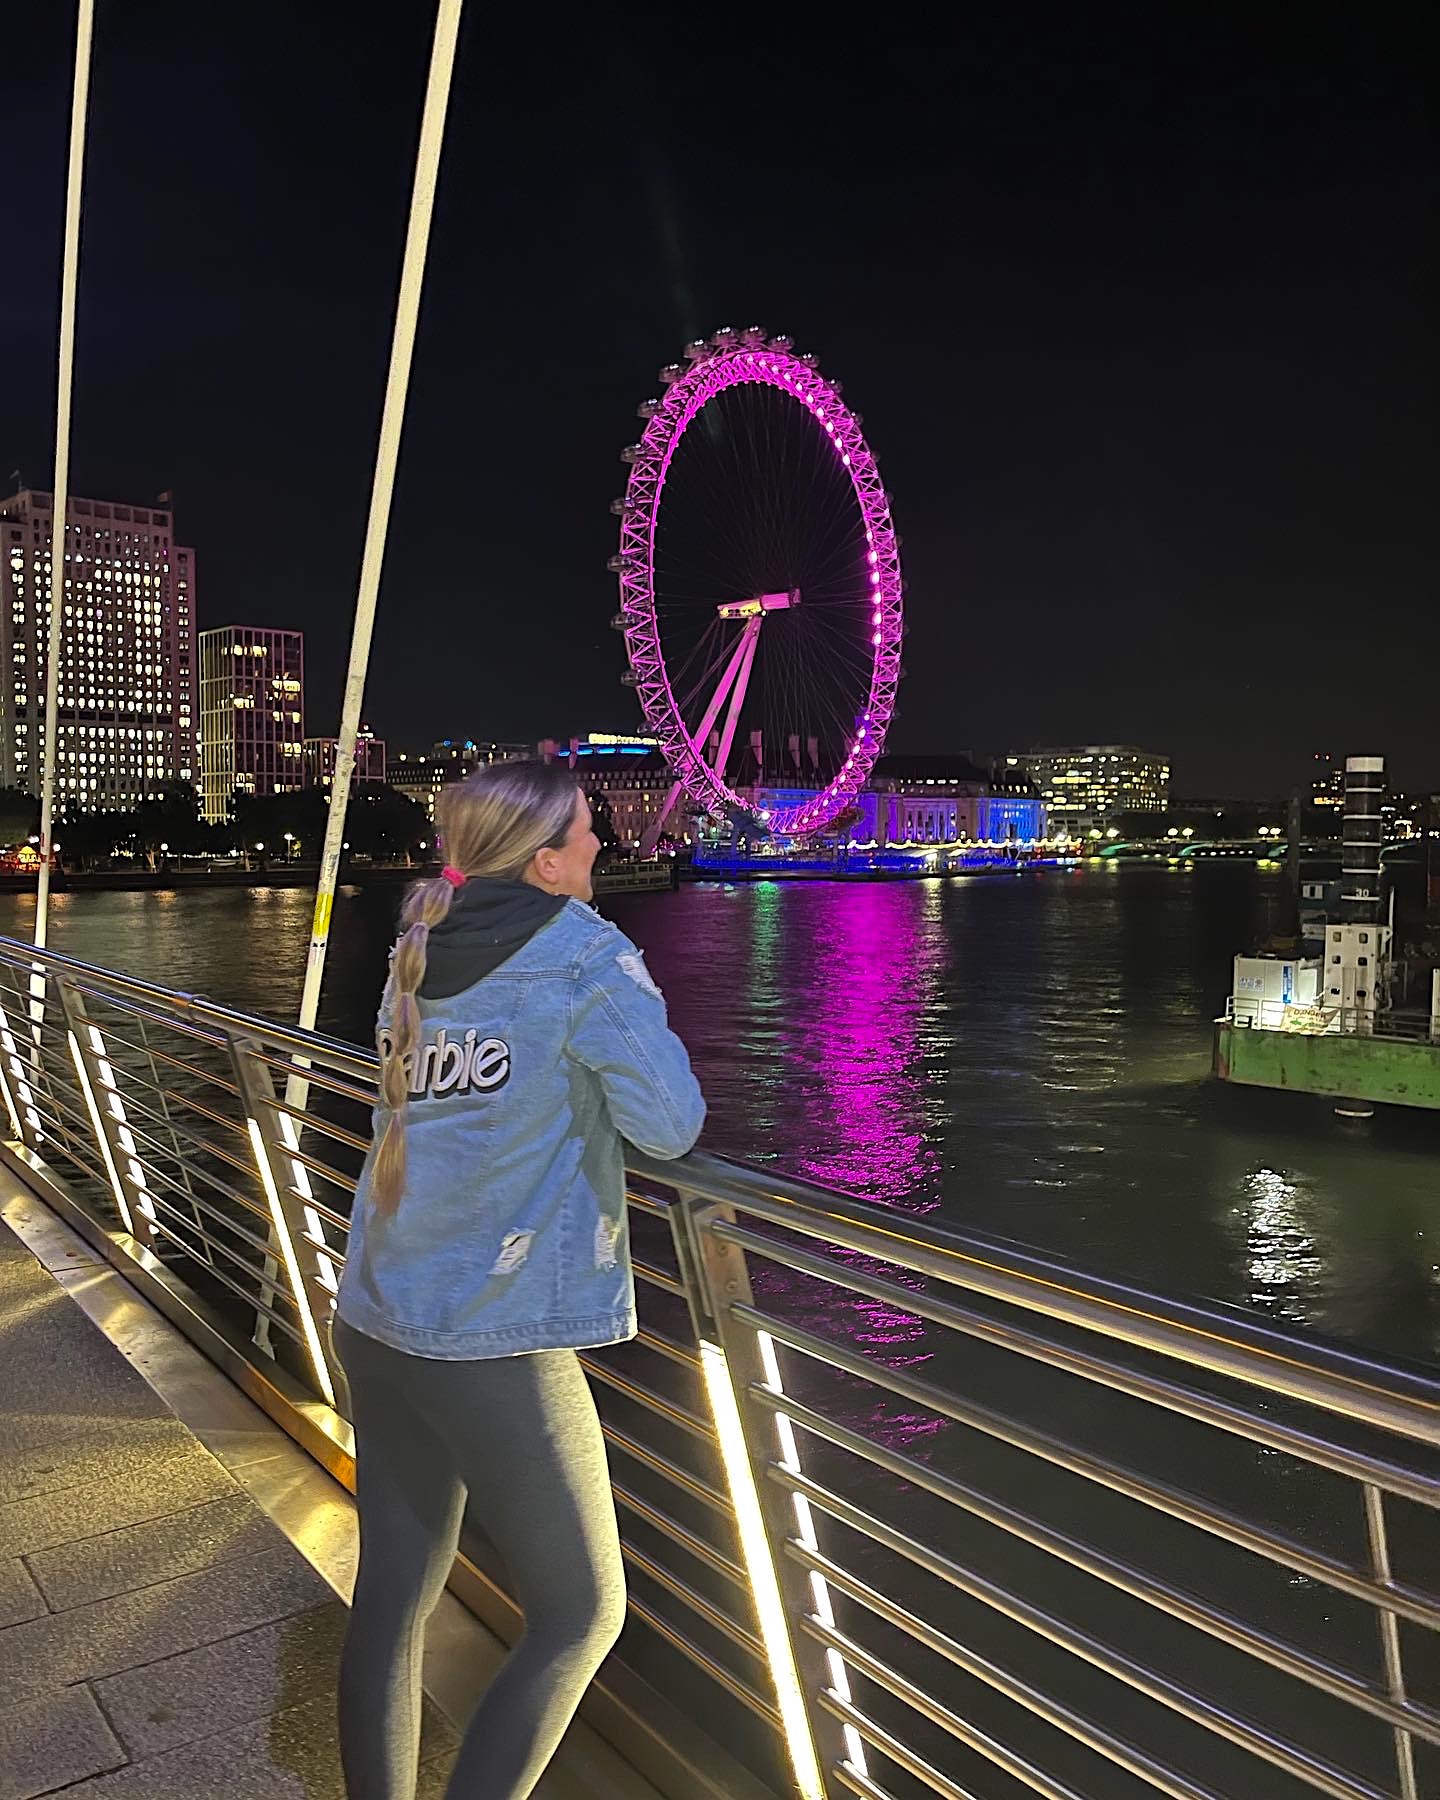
742 659
650 837
737 699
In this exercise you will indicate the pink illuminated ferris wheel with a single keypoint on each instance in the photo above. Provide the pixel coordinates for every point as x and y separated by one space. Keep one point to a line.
760 591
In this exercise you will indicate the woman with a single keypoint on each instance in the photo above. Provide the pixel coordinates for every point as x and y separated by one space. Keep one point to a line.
520 1039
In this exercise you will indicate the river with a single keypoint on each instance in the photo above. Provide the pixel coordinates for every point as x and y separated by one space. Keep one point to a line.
1026 1055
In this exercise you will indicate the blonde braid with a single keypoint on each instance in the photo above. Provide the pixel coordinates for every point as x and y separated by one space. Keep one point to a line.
426 904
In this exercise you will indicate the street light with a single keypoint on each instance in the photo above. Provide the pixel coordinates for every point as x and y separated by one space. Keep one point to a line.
289 840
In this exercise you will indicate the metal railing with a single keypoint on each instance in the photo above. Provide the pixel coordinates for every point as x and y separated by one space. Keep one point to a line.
1318 1020
905 1512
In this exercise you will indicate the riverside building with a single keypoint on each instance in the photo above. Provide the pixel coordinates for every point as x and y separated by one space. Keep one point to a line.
252 715
128 712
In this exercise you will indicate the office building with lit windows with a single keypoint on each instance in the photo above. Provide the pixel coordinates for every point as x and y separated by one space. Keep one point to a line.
128 712
252 715
323 754
1086 786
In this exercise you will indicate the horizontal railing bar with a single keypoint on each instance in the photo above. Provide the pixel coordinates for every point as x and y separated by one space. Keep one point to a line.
659 1278
1115 1663
326 1172
130 1097
703 1660
1237 1634
864 1785
171 1152
670 1471
1062 1718
168 1021
1238 1421
252 1302
819 1213
327 1213
667 1346
682 1535
153 1053
225 1018
698 1603
1174 1503
337 1134
213 1183
647 1203
1215 1337
1018 1767
193 1103
305 1068
910 1760
648 1398
207 1206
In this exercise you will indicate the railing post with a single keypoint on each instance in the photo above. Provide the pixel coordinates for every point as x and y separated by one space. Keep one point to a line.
113 1137
292 1232
15 1083
1379 1545
732 1359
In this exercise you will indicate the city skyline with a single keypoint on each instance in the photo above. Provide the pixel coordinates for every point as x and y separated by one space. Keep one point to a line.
1142 354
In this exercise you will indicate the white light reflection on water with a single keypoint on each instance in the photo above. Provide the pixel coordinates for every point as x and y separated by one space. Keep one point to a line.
1282 1259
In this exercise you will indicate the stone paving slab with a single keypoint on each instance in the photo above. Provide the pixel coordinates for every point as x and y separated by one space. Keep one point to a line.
136 1556
44 1520
88 1642
91 1456
20 1599
271 1669
290 1756
51 1742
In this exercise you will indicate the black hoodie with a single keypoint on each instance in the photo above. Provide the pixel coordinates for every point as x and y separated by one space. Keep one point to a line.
487 923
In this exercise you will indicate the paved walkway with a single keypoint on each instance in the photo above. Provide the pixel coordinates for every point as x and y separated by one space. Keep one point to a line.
161 1638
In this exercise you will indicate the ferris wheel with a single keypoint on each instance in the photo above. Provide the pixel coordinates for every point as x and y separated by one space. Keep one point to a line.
760 590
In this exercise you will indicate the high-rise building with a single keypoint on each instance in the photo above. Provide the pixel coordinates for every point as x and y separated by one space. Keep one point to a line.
322 755
1087 785
128 711
252 714
1327 780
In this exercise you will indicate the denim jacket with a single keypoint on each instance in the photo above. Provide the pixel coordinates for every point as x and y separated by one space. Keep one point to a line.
510 1234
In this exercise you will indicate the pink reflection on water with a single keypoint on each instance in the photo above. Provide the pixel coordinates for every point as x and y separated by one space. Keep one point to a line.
873 956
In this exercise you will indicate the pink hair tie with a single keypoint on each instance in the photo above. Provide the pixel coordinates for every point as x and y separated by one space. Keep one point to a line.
456 877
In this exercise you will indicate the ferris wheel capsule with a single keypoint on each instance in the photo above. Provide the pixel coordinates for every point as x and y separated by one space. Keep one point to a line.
618 563
620 506
619 622
753 336
783 342
696 348
724 338
647 409
809 358
629 679
671 372
632 453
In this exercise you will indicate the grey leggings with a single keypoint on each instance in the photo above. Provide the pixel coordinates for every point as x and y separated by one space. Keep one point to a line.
519 1437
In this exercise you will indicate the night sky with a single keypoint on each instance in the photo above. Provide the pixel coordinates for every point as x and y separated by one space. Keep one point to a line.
1141 313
